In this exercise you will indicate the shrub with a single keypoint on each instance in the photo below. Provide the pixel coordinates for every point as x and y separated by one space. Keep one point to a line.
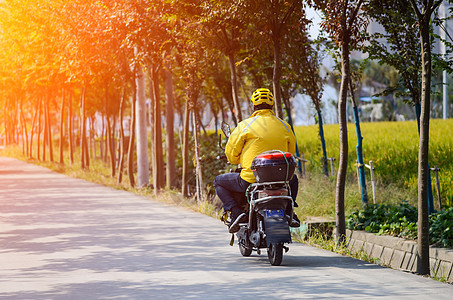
401 221
375 215
211 166
441 228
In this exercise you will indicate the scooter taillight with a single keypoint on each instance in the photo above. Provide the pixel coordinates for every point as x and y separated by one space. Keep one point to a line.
267 193
274 155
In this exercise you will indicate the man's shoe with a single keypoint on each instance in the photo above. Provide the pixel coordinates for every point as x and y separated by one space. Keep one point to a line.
295 222
234 226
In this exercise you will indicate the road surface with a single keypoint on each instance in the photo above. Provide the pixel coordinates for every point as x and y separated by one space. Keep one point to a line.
65 238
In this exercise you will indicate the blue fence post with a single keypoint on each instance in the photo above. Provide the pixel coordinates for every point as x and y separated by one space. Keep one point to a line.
361 165
323 145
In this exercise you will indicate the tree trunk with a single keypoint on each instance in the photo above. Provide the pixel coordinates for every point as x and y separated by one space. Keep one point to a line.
234 87
198 167
110 144
418 109
24 131
49 130
216 121
277 74
105 139
121 138
11 124
185 153
114 139
170 138
11 129
83 139
32 130
70 129
5 114
130 152
62 126
6 118
423 168
157 155
6 121
142 137
110 148
87 144
16 122
231 108
343 161
46 132
92 139
38 151
102 150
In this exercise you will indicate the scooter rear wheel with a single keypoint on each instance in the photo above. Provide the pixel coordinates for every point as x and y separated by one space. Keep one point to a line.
275 253
245 251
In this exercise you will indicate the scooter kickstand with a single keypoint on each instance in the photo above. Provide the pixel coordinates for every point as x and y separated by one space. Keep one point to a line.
232 239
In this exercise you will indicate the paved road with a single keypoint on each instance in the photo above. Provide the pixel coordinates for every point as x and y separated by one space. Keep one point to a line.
65 238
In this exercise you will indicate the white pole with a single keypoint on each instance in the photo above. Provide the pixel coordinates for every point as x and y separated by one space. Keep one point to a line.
303 165
373 184
358 175
332 167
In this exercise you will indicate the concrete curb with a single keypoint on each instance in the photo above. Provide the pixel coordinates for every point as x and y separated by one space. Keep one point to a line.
399 253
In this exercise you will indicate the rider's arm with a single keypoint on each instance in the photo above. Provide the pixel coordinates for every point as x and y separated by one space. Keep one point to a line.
233 148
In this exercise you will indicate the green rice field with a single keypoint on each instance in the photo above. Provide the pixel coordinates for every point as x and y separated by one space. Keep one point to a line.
393 148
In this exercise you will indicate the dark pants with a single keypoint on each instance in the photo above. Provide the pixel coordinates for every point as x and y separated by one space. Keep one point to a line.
231 188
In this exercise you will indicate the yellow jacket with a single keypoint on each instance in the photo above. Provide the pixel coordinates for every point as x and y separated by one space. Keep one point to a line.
261 132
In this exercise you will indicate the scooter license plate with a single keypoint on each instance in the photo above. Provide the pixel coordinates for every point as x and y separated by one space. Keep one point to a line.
274 213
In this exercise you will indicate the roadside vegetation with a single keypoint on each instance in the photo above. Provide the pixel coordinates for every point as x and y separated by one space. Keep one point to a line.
401 221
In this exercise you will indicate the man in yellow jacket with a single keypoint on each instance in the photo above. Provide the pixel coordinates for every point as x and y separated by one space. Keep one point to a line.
261 132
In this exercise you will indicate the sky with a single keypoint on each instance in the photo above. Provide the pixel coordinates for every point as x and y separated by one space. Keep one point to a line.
315 17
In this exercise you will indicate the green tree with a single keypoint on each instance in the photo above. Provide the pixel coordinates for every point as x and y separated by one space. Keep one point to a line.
274 19
191 56
424 13
344 25
226 23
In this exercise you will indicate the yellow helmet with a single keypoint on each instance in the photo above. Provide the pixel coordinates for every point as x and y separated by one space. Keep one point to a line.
262 95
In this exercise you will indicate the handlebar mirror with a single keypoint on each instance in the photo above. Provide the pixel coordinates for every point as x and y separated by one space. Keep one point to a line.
226 129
